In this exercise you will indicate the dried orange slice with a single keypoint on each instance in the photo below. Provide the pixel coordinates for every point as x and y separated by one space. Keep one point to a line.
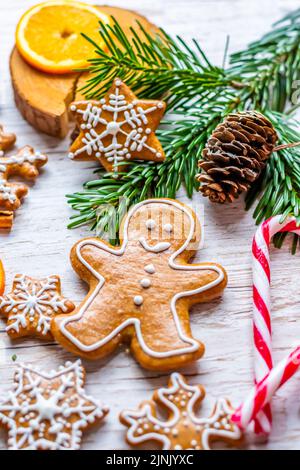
49 37
2 279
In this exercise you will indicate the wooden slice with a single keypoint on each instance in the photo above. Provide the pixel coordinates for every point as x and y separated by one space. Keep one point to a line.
43 99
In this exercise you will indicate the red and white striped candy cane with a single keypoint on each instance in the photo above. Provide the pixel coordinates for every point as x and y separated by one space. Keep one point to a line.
263 362
262 393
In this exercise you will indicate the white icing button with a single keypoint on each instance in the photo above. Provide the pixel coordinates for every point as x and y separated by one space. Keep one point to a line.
150 269
150 224
168 228
138 300
145 283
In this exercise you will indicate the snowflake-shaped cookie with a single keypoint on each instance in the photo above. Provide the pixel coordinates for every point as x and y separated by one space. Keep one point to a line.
183 430
32 304
49 411
117 128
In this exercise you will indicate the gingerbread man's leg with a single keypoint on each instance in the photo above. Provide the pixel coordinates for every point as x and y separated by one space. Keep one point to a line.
165 342
93 330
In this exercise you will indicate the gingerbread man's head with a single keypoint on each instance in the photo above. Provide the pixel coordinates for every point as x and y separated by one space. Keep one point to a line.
160 225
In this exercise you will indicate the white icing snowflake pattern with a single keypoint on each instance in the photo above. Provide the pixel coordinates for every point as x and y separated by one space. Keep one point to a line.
49 411
126 129
33 301
184 430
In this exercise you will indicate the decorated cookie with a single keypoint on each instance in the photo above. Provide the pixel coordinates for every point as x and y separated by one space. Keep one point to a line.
7 140
25 163
183 430
49 411
32 304
141 292
118 128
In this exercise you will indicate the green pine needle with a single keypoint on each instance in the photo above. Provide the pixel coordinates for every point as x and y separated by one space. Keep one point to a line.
271 66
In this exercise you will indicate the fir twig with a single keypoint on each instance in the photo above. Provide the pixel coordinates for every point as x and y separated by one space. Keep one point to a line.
154 67
270 67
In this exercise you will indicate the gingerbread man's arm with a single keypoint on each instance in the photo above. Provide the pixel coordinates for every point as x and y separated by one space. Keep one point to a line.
200 282
94 256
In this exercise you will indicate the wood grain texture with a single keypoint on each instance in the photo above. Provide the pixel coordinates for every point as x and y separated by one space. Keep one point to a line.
39 245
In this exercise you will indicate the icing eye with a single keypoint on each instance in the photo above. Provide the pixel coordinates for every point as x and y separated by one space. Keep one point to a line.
150 224
168 228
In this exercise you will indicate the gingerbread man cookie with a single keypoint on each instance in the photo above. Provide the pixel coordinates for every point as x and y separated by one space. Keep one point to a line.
183 430
141 292
118 128
32 304
49 411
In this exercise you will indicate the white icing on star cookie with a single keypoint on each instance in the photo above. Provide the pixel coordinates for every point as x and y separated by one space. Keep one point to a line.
49 411
115 127
33 301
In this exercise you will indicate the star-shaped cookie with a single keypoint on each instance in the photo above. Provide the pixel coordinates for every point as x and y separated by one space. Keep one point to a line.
118 128
32 304
49 411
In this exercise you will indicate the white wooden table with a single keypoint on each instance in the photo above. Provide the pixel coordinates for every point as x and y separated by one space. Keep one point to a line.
40 243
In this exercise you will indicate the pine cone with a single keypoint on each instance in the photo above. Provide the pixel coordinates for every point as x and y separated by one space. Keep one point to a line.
235 155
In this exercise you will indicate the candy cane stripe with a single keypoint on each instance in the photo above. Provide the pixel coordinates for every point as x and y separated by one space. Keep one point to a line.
262 260
267 378
262 308
262 348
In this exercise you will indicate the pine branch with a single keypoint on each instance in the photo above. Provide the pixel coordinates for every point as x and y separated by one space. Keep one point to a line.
154 67
270 67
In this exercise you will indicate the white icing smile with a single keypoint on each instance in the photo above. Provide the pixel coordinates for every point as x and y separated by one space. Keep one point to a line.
158 248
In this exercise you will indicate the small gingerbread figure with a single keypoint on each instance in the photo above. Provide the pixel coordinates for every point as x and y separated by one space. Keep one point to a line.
118 128
141 292
183 430
32 304
25 163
